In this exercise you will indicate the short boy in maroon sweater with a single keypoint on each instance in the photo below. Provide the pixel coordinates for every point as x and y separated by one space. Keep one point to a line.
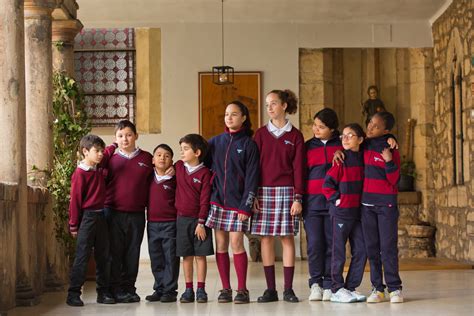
87 221
193 192
130 171
161 228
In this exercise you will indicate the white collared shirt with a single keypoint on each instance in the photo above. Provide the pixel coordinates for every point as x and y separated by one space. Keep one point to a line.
131 155
279 131
191 169
161 178
85 166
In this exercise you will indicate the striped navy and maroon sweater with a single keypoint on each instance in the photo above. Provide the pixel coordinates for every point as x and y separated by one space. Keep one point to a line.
161 200
281 159
344 182
318 161
380 177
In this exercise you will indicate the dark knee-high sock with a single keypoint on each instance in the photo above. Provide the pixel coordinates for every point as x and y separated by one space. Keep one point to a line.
288 273
223 265
270 276
240 265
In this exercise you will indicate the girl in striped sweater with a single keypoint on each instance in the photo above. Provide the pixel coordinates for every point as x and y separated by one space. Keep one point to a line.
343 189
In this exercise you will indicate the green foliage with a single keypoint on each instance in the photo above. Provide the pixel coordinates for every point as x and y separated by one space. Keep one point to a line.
408 168
69 126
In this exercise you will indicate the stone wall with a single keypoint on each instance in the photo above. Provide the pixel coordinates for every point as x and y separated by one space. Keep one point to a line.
8 242
453 199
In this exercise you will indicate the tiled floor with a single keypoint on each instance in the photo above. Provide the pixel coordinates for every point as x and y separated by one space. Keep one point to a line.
444 292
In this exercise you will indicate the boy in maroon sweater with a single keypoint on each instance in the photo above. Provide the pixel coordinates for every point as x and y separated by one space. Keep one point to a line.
130 171
87 221
193 192
161 228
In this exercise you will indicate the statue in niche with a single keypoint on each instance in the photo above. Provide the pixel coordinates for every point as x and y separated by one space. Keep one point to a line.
373 104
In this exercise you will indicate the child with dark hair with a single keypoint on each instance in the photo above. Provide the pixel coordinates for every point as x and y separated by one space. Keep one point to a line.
87 221
379 208
130 171
234 159
319 154
279 197
343 189
193 191
161 228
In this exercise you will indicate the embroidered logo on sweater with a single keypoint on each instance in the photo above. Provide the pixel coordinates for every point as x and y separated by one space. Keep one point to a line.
166 187
250 199
142 164
196 180
287 142
378 159
239 150
340 225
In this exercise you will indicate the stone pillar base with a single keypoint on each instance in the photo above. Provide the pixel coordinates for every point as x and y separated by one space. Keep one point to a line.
25 296
53 283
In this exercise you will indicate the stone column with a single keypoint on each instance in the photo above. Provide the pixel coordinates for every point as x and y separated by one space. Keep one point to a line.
39 145
12 120
64 32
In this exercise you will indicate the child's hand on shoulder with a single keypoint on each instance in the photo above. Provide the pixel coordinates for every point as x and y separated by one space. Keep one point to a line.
338 157
200 232
387 154
392 142
170 171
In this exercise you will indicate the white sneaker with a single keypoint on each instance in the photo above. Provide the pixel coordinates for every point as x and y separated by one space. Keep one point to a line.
327 293
396 296
359 296
343 296
316 293
376 297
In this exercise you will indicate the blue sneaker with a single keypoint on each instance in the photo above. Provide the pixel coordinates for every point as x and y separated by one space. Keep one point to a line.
187 296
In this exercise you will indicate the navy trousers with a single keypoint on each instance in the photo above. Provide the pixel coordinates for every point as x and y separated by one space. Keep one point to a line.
126 235
93 233
162 249
344 229
319 238
380 227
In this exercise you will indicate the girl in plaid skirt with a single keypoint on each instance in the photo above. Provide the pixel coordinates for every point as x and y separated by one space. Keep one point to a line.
234 159
278 203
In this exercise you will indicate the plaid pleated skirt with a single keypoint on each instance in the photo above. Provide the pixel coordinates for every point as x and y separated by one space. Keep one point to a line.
274 218
226 220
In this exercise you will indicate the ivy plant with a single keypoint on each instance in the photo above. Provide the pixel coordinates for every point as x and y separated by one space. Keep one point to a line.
70 124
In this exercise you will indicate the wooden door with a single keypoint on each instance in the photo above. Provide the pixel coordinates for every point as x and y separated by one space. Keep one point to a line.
214 98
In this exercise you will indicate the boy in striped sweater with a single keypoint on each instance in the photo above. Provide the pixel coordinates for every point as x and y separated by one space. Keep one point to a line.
379 208
343 189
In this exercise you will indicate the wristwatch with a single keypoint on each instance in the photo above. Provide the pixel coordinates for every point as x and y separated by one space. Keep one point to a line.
201 225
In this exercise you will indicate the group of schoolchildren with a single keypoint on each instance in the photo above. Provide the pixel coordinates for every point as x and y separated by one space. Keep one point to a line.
343 185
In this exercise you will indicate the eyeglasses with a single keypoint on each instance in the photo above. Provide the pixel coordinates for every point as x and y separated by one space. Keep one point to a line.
346 136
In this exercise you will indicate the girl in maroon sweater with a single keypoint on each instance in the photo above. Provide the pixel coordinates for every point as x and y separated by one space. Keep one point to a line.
278 202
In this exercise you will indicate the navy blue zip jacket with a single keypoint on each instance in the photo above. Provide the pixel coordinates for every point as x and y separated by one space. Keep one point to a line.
234 160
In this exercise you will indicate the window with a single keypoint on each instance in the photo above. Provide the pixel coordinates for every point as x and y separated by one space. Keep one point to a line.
104 61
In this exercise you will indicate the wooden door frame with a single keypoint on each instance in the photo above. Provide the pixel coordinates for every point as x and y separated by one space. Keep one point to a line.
237 73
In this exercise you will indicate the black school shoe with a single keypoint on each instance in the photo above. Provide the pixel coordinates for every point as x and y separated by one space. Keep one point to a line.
155 297
74 300
134 298
290 296
242 297
225 296
201 295
268 296
105 298
187 296
168 298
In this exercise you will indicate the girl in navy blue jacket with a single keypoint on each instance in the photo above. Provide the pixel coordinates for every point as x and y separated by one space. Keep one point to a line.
234 159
